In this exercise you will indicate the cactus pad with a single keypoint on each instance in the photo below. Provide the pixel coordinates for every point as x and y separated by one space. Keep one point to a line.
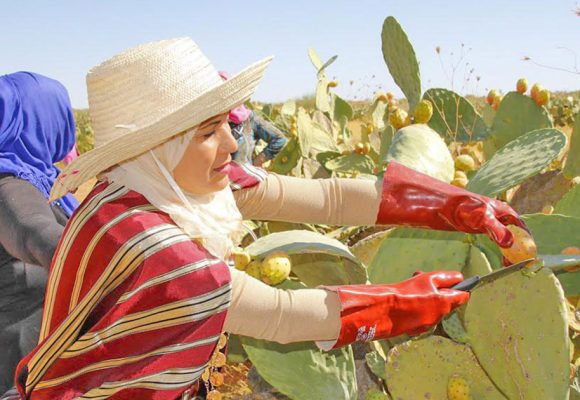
421 369
572 167
521 158
517 327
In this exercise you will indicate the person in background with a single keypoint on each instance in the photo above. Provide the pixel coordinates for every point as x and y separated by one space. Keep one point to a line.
37 129
248 128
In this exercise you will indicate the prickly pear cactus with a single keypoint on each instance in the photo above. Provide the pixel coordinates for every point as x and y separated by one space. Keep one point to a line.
287 158
517 114
454 328
421 148
454 117
366 249
311 137
572 167
350 163
330 375
553 233
569 204
341 108
405 251
421 369
316 259
519 159
517 327
400 58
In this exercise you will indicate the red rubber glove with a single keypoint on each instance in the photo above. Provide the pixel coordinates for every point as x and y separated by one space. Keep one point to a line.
415 199
370 312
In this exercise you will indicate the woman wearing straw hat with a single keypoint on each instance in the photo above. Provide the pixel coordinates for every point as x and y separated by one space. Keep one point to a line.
37 129
139 291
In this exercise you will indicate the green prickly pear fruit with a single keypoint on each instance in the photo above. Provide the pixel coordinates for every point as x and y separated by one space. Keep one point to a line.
522 85
491 96
543 97
375 394
399 119
460 179
423 112
275 268
465 163
333 84
458 388
253 269
535 90
241 259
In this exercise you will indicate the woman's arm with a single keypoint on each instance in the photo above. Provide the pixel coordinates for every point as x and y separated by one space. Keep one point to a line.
266 131
284 316
332 201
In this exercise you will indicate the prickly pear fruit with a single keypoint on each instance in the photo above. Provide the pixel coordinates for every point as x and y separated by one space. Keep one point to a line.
535 90
548 210
375 394
359 148
496 102
390 95
459 179
275 268
216 378
522 85
333 84
543 97
399 119
382 98
522 248
241 259
465 163
571 251
214 395
253 269
491 96
458 388
423 112
367 148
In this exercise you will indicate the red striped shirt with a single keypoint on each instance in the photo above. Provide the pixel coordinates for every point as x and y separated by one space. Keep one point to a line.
133 307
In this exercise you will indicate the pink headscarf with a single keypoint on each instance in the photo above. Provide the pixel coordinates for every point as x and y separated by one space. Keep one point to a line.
240 113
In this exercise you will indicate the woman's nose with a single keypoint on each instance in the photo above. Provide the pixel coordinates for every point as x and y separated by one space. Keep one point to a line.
229 143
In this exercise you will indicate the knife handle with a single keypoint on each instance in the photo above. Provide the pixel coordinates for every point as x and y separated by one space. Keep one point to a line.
467 284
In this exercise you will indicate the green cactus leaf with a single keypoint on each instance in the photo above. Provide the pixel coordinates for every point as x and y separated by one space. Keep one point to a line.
379 113
477 263
572 167
350 163
490 249
421 148
312 138
516 115
552 234
387 135
287 158
316 259
488 115
406 250
323 102
517 327
376 364
323 375
315 58
400 58
421 369
341 108
235 353
518 160
454 328
569 204
288 108
366 249
454 117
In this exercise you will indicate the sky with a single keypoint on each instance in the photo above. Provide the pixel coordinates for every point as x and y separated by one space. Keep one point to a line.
64 39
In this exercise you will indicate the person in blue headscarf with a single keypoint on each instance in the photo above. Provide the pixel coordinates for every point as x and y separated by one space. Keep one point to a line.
37 129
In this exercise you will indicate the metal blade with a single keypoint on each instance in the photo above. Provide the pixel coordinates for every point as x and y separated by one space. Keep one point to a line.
470 283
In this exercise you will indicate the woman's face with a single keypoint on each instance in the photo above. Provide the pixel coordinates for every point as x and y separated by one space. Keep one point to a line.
199 171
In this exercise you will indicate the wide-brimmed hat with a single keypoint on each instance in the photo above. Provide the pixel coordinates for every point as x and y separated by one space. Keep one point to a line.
141 97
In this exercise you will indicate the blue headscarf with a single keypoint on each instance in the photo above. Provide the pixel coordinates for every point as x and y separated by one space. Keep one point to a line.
37 129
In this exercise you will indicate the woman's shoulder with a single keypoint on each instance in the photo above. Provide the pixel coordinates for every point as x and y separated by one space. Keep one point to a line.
243 175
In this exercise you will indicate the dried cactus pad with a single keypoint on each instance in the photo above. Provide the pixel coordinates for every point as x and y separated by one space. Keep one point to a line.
517 327
420 369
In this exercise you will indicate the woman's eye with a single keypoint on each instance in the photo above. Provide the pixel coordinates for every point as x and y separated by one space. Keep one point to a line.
209 134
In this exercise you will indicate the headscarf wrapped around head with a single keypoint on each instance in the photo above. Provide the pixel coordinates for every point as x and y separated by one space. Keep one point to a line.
213 218
37 129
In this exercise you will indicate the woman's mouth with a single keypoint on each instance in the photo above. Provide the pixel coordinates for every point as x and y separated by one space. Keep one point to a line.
224 168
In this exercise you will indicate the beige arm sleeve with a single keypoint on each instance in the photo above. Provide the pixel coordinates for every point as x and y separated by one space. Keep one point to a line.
285 316
331 201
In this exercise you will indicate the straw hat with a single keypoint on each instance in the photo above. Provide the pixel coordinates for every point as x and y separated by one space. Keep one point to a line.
141 97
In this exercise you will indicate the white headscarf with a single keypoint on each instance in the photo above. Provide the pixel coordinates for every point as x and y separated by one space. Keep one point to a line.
214 218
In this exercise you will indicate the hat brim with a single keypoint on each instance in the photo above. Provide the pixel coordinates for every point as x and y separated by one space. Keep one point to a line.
216 101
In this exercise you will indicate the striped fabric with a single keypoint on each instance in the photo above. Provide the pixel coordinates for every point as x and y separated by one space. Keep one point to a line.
133 307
